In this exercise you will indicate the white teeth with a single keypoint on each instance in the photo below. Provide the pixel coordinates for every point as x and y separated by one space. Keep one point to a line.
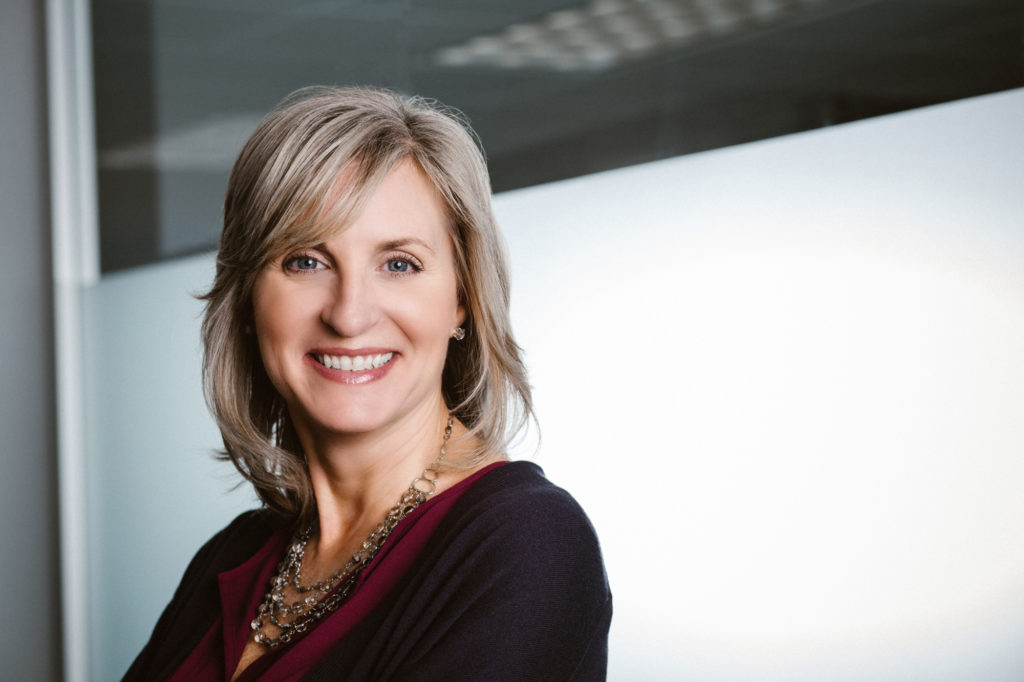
355 363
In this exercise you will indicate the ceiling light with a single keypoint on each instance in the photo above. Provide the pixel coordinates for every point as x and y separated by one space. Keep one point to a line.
605 33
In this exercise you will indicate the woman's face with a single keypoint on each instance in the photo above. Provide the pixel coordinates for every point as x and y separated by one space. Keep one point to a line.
354 332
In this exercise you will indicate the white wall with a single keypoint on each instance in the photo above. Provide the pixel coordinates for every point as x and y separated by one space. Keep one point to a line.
783 378
786 381
155 491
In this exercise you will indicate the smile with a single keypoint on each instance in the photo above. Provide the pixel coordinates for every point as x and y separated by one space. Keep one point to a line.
354 363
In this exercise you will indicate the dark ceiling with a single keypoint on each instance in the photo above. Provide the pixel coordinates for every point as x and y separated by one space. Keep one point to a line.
169 72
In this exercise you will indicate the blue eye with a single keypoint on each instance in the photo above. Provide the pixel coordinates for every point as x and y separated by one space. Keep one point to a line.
399 265
302 263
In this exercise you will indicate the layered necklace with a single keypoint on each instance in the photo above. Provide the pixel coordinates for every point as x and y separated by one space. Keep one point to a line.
318 599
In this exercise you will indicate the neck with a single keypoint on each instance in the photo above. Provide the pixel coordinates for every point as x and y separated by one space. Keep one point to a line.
358 477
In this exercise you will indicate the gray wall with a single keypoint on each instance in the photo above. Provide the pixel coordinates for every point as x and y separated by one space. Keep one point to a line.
29 620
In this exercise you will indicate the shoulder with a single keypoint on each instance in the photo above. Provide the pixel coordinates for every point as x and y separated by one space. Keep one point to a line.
194 606
509 587
518 528
517 500
229 547
521 484
233 544
241 538
516 583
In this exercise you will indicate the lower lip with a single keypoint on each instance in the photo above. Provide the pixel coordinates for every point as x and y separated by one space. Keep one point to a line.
343 376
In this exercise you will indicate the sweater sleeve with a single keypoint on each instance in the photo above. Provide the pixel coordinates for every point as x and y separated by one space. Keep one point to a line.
511 588
530 602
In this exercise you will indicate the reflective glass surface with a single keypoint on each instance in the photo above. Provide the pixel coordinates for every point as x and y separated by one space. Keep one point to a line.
555 89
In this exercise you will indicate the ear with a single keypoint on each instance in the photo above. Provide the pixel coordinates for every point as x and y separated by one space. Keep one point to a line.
460 315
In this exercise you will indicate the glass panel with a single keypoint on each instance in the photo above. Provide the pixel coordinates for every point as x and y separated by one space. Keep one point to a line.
154 490
555 89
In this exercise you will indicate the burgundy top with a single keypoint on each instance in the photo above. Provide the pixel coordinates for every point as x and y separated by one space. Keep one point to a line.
242 588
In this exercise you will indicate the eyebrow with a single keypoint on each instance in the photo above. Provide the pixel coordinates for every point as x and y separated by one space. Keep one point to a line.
399 243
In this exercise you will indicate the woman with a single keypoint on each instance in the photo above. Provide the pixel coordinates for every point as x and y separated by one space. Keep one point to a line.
361 367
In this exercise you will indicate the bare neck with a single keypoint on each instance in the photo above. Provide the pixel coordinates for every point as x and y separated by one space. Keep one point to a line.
357 478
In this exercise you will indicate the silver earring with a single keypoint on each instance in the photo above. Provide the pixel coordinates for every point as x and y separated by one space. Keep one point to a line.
459 333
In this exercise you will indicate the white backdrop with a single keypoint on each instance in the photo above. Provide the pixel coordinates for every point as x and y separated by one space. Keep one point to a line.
783 378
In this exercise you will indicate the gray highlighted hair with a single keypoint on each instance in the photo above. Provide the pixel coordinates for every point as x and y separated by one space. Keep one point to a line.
282 195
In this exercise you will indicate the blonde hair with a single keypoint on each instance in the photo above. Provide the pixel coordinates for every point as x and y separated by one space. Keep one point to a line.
279 197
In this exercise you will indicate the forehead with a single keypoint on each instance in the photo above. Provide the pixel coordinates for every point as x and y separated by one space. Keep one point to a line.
403 204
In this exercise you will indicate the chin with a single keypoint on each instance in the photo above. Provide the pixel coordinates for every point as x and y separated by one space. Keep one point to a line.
346 419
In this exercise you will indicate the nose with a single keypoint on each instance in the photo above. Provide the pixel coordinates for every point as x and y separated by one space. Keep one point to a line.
351 308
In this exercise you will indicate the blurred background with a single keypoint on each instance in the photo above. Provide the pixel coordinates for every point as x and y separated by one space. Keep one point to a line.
768 272
583 87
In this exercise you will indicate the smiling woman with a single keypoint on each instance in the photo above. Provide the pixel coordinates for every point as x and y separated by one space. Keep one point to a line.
388 281
361 367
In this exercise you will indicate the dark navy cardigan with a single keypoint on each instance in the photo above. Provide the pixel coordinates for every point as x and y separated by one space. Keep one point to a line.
510 587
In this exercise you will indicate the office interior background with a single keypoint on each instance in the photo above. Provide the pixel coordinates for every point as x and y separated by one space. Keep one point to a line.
768 261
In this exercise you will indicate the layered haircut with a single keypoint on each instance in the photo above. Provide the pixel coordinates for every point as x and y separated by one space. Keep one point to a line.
302 177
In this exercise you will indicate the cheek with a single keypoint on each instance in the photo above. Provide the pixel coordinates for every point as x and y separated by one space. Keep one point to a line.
265 320
434 313
280 309
270 350
275 325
